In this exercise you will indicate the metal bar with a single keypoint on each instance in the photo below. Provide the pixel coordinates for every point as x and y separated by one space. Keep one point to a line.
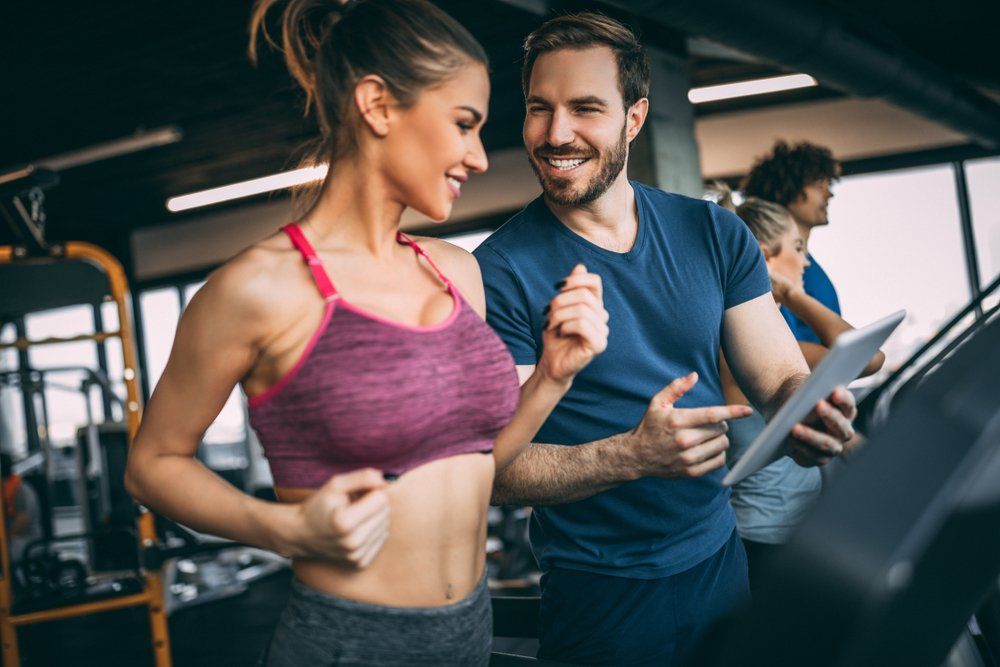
133 406
873 396
140 141
16 174
140 343
968 235
93 376
19 180
34 445
49 500
22 343
8 635
954 344
102 360
80 609
972 305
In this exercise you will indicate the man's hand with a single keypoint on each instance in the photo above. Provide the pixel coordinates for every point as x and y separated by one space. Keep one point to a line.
681 442
823 433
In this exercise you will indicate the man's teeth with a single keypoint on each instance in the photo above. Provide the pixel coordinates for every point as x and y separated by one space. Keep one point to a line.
566 164
454 182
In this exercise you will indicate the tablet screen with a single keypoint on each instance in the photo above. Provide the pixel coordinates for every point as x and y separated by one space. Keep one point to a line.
849 355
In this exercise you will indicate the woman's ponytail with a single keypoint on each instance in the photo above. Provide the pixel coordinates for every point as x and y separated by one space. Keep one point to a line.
305 25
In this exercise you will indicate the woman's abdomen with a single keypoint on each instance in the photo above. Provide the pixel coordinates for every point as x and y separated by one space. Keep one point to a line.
435 550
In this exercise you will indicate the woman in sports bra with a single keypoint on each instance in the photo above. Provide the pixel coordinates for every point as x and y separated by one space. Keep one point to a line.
384 402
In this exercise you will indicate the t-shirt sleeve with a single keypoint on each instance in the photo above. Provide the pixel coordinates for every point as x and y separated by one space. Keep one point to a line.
745 272
507 305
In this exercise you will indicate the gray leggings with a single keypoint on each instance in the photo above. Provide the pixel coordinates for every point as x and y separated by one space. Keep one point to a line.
321 629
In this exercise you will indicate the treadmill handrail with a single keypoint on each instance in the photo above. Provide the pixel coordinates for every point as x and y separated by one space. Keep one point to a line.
884 402
872 398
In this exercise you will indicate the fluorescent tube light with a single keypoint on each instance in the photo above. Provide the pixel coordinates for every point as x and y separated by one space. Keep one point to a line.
140 141
753 87
255 186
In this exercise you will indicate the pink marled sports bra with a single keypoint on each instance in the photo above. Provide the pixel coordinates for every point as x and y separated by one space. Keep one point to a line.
371 392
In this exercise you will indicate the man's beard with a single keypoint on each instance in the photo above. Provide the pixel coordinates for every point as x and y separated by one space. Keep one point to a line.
560 190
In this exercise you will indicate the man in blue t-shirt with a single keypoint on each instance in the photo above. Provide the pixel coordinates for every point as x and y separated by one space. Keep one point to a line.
632 528
799 178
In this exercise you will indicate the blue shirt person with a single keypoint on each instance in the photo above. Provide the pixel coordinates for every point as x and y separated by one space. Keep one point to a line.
684 247
632 528
818 285
800 177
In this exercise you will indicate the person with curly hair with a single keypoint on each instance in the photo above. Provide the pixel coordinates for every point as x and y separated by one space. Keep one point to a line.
799 178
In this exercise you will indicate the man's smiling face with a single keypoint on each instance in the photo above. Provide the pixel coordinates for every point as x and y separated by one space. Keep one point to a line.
575 127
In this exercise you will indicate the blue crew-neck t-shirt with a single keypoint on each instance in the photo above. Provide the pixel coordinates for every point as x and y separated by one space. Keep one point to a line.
666 296
816 284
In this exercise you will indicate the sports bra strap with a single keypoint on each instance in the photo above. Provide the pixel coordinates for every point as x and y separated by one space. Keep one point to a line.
313 261
403 238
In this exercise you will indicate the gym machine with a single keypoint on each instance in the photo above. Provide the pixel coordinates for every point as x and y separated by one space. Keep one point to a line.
80 266
875 406
904 547
100 559
176 567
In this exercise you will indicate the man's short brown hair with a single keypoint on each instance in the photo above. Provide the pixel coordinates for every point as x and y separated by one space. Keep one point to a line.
584 30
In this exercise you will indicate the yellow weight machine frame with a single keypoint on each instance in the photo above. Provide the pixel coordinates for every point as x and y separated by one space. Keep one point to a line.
153 595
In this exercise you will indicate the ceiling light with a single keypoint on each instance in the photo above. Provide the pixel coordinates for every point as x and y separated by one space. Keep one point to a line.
140 141
255 186
753 87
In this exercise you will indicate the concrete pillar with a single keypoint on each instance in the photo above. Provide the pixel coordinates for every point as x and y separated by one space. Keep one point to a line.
665 154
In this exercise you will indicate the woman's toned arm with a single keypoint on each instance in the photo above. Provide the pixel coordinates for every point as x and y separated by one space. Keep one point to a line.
226 325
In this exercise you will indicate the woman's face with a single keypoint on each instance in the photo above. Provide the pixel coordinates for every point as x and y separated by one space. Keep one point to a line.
790 260
434 145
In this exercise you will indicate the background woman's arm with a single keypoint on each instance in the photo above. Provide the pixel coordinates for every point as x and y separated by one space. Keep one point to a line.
826 324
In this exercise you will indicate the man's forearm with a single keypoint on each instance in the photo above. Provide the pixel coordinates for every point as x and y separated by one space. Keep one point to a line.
555 474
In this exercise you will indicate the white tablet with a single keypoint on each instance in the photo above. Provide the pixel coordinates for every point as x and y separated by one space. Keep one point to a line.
849 355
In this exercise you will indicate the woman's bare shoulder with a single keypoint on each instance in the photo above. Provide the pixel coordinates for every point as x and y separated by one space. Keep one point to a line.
449 257
458 265
265 279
